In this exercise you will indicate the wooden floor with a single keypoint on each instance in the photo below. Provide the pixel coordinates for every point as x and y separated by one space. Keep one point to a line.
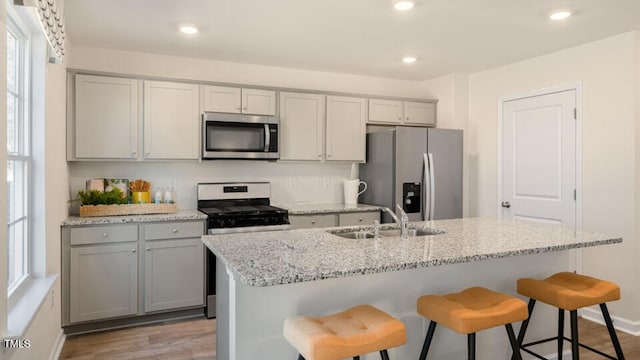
195 339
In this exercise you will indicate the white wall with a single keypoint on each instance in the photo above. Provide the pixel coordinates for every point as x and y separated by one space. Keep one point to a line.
310 182
608 72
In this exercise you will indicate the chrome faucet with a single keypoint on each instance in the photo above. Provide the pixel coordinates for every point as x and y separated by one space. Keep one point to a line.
376 229
404 221
393 215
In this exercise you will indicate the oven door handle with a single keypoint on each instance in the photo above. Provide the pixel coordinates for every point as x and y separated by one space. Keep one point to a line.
267 138
249 229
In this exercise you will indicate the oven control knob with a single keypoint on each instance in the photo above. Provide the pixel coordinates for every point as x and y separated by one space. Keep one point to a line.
221 223
232 222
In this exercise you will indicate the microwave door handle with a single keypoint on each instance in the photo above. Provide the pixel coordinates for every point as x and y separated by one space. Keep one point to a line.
267 138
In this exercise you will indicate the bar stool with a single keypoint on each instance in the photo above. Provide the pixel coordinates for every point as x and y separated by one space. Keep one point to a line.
353 332
570 291
470 311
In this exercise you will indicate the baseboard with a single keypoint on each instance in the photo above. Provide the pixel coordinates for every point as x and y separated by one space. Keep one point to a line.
621 324
57 346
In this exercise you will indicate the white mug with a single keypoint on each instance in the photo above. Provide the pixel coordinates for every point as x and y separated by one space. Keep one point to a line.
352 190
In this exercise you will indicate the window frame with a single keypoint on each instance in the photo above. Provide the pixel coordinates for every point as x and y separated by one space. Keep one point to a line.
23 154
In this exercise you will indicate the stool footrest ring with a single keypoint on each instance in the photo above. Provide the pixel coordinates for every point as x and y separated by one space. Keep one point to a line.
555 338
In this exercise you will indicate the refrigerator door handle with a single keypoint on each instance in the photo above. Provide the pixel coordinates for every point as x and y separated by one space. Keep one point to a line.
425 189
432 187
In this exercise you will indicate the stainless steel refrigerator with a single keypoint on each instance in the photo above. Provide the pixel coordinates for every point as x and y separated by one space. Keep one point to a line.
418 168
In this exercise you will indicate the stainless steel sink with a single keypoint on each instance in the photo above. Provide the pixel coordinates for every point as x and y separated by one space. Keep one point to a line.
354 235
410 232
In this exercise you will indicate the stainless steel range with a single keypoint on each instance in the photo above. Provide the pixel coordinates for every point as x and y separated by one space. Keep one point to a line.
236 208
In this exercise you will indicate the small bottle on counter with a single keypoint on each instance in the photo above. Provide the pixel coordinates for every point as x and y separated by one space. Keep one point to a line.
168 196
157 196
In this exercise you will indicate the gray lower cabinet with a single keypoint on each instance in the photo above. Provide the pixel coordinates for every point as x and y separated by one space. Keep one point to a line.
174 266
115 271
329 220
103 281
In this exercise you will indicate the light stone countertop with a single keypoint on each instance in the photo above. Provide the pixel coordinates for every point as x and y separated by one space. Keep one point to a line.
103 220
311 209
284 257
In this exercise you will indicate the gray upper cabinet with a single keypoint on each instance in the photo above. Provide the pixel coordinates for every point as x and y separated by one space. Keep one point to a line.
171 120
346 128
106 118
301 126
397 112
239 100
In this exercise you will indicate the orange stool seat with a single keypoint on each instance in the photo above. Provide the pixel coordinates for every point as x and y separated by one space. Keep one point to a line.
569 291
353 332
470 311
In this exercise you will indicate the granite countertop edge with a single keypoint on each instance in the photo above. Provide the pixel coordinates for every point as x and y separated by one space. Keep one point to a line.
311 209
181 215
284 280
239 260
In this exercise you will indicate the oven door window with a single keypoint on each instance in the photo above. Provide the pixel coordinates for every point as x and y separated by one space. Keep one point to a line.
236 137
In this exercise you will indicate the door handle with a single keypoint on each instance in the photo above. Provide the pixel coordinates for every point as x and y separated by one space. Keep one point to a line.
506 204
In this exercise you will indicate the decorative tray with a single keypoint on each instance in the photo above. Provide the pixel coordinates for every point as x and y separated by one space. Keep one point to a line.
126 209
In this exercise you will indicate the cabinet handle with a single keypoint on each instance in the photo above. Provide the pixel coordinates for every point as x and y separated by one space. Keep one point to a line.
134 153
400 118
147 153
133 250
360 220
105 235
148 249
313 222
407 118
238 108
175 231
244 108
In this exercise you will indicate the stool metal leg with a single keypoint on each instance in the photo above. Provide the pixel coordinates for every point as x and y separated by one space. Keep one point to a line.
513 342
471 346
427 340
525 324
612 331
384 355
300 357
575 351
560 332
356 358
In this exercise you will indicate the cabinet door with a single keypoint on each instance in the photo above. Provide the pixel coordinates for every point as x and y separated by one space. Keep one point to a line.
312 221
385 111
171 120
358 218
221 99
103 281
417 113
301 126
346 122
258 102
174 274
106 118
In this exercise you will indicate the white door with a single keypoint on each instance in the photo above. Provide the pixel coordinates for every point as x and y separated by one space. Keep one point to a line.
539 159
221 99
258 102
346 128
416 113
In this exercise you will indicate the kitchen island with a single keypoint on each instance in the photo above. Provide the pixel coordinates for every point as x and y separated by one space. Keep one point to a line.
263 278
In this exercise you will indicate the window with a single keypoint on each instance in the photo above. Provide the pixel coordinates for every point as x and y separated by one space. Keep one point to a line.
18 156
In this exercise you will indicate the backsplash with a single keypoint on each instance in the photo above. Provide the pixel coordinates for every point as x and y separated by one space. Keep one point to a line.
291 183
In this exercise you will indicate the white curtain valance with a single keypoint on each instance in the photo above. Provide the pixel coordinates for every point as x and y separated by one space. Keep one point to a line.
51 15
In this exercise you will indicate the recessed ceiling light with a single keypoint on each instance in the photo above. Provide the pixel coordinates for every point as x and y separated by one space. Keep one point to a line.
188 29
404 5
409 59
559 15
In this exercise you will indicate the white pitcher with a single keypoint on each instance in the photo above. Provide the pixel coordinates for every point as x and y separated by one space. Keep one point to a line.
352 190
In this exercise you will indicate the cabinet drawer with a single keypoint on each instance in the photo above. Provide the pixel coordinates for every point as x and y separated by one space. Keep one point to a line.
358 218
312 221
173 230
103 234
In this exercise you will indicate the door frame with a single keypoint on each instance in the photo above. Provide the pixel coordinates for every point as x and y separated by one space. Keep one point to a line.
577 87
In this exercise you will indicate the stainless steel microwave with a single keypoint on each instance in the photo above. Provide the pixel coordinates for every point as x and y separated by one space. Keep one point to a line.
238 136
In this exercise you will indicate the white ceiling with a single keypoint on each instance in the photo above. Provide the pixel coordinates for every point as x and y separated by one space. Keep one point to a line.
365 37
